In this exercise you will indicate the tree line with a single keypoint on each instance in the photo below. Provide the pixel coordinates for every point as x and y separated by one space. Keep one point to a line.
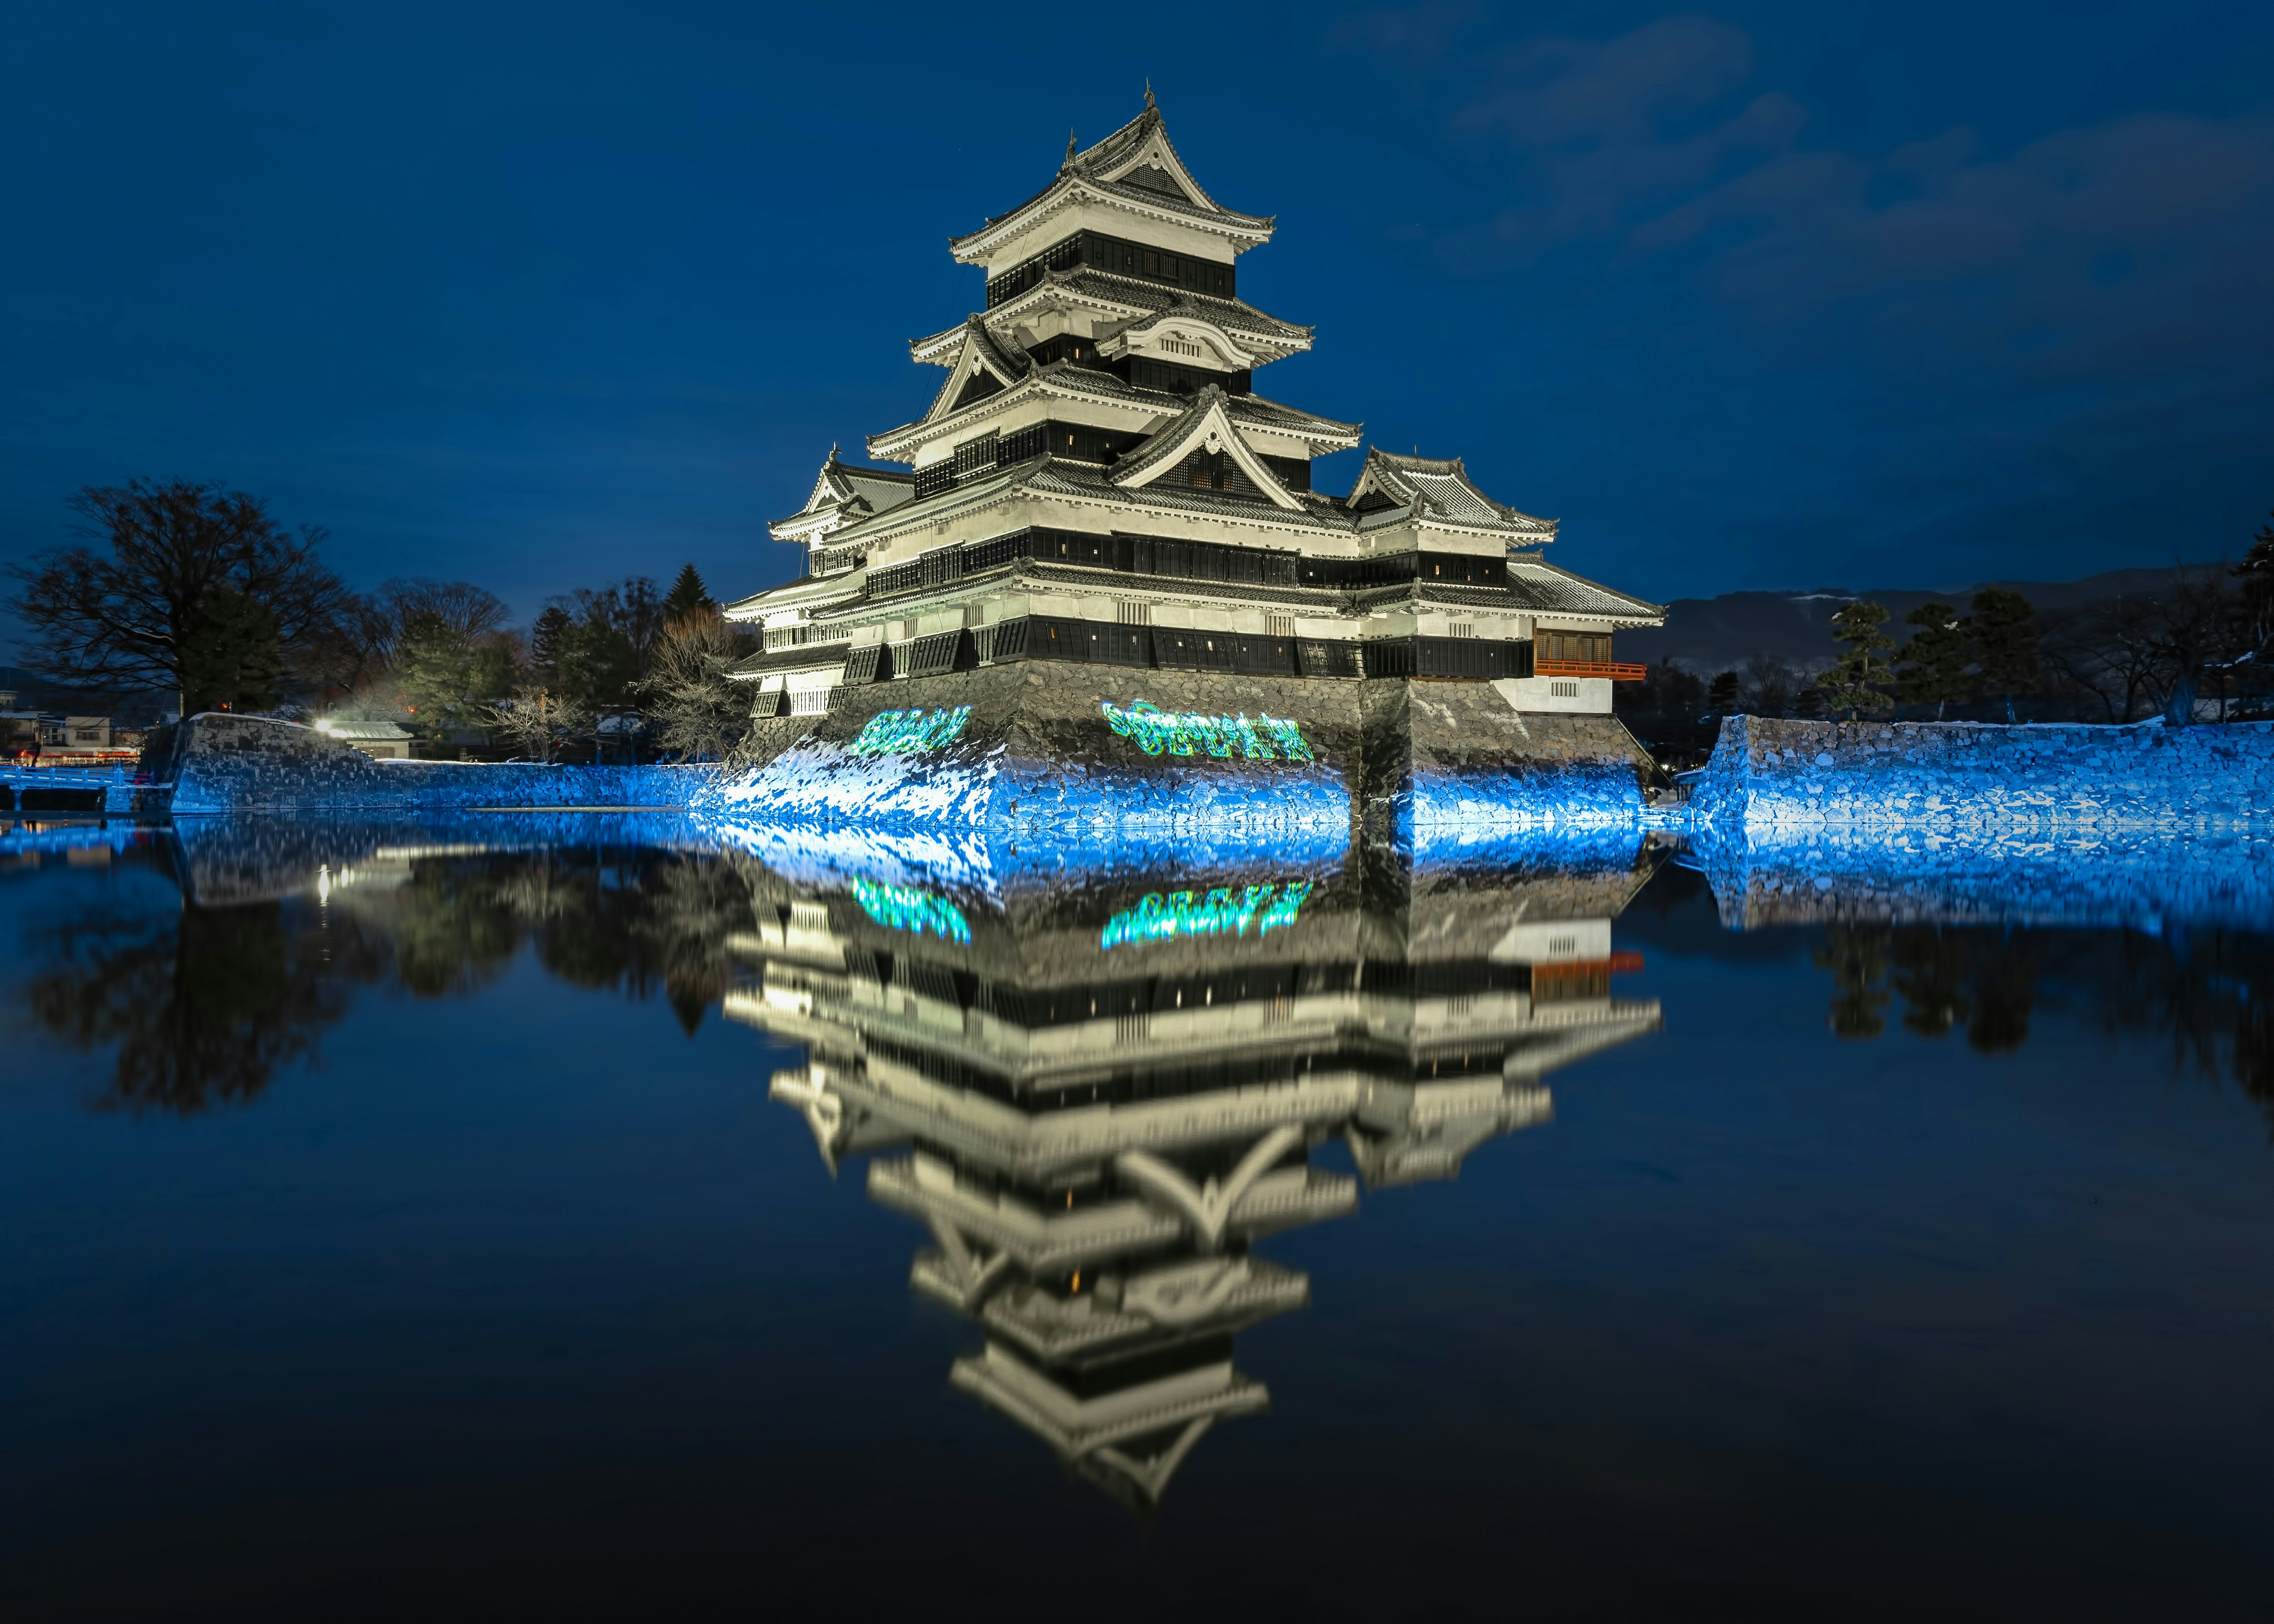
199 591
2200 648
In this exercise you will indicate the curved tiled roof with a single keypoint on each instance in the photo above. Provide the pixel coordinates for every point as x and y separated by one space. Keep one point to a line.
1087 170
1543 589
1441 489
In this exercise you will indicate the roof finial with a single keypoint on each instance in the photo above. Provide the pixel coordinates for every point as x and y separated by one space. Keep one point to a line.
1069 157
1149 92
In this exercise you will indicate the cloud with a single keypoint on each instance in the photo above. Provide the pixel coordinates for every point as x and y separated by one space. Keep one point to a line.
2140 246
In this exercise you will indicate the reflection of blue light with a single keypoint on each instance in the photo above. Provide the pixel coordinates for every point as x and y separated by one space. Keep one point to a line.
904 908
1182 733
903 733
1159 918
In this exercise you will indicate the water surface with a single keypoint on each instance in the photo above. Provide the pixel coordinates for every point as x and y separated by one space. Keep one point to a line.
590 1216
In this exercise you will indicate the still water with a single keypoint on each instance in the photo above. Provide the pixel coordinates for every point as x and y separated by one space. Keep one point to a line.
602 1217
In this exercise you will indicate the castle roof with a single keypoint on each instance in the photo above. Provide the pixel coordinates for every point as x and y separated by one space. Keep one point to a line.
1135 168
1440 491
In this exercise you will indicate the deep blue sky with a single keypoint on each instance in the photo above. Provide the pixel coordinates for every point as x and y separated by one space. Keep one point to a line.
1755 297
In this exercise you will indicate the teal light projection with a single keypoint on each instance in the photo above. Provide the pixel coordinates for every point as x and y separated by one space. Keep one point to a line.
1160 918
1265 738
904 733
904 908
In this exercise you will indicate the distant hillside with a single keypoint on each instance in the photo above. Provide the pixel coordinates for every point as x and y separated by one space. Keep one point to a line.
1708 635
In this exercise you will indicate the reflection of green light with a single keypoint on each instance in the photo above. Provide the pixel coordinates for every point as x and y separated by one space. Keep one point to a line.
1266 738
900 733
1159 918
904 908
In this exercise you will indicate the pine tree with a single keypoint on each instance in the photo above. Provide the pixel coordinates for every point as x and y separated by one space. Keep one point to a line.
2255 576
1721 694
1857 683
2003 629
1931 668
687 594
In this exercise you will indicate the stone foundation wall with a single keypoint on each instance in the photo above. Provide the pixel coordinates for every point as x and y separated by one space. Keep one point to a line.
223 763
1038 752
1955 776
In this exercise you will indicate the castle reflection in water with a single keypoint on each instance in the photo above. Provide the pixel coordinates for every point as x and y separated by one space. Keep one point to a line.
1100 1101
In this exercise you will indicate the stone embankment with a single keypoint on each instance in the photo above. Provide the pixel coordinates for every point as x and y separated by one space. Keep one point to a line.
223 763
1963 776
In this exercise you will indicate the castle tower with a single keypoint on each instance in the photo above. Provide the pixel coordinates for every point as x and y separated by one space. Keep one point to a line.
1098 482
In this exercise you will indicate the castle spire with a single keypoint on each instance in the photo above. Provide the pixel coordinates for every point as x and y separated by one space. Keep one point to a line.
1149 92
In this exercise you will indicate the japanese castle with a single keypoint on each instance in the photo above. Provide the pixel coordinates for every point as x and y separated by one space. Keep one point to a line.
1098 481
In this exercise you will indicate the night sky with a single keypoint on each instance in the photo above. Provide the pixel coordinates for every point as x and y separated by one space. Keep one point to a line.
1769 296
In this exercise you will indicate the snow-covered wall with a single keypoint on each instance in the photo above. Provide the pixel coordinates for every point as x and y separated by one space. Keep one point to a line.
1957 776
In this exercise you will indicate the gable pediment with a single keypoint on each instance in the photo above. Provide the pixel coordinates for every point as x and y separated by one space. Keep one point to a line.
1205 428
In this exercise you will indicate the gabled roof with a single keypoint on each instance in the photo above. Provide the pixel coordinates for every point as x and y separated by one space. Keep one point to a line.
1070 380
1441 491
979 354
843 493
1206 425
1137 168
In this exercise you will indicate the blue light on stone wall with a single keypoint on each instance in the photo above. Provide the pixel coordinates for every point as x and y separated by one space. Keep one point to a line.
1184 733
904 908
1161 917
906 733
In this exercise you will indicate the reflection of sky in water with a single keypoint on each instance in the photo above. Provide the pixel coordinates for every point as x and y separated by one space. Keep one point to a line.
1901 1222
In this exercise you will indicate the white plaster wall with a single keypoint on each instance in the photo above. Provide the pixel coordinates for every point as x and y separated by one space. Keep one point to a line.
1538 694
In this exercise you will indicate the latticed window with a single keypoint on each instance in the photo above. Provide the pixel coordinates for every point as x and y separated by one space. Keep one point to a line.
975 456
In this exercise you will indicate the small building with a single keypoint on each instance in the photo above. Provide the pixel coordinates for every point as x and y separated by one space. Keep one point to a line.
375 737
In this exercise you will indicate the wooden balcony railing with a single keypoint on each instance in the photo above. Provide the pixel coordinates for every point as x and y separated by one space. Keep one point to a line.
1617 670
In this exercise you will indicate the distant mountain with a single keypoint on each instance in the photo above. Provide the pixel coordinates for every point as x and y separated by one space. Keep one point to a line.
1709 634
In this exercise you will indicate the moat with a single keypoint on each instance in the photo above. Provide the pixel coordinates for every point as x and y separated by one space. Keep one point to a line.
566 1213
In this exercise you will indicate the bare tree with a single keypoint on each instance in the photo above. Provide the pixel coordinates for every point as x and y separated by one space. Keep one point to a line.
199 591
702 712
535 716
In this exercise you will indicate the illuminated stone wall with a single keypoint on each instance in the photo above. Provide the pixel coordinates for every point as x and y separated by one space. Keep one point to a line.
1960 776
1045 746
234 763
2146 879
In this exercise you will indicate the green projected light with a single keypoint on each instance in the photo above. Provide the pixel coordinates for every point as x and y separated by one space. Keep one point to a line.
1161 917
904 908
902 733
1266 738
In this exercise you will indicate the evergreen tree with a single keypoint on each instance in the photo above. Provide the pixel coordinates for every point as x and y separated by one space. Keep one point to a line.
687 594
2255 576
1857 683
2003 629
1931 668
1721 694
546 634
234 658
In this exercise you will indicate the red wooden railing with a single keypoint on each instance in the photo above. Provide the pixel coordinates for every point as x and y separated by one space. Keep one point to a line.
1617 670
